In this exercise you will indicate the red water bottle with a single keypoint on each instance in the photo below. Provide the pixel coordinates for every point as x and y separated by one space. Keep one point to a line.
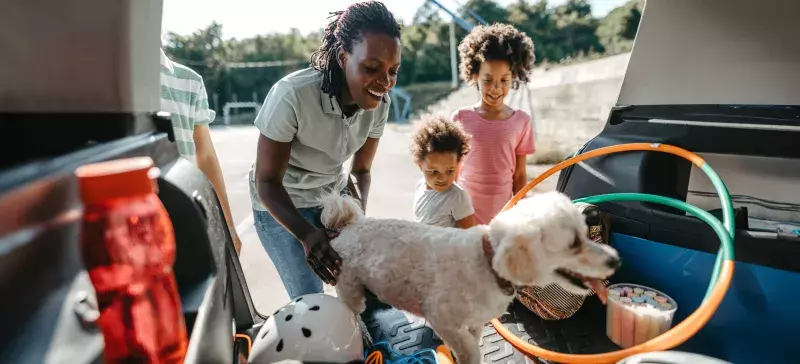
128 247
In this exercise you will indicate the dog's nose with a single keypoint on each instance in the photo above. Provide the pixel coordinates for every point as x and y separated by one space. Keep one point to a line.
613 263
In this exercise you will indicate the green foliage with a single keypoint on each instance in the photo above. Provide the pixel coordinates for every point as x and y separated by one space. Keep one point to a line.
560 34
215 59
617 29
486 9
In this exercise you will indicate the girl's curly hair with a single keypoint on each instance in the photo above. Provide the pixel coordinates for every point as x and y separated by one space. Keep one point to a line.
437 134
496 42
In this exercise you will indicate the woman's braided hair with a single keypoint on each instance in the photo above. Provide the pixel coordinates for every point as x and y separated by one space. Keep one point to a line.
346 29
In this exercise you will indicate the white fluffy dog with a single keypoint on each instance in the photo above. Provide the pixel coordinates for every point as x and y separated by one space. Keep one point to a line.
460 279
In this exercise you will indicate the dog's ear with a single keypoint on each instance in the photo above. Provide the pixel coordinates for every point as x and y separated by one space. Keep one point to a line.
339 211
515 258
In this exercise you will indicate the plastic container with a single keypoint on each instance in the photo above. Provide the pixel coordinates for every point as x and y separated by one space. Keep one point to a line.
635 314
128 248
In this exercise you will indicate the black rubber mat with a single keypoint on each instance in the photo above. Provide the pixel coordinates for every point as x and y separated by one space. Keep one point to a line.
406 334
584 333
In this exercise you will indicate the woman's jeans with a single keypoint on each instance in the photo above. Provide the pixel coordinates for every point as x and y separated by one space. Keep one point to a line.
287 254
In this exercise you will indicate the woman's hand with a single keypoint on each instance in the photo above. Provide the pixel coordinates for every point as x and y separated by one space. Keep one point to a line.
325 262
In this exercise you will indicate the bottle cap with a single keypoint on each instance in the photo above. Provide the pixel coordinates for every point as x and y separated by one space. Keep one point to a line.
102 181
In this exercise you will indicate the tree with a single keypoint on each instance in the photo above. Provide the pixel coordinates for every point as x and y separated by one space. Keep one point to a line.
489 10
631 24
537 21
617 29
209 54
575 28
558 33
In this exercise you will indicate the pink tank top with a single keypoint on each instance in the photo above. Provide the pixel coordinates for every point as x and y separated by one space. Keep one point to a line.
488 170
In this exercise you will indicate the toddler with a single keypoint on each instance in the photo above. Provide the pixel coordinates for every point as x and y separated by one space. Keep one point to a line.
438 146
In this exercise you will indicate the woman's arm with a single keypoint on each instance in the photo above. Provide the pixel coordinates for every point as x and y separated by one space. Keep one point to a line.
362 164
520 174
272 160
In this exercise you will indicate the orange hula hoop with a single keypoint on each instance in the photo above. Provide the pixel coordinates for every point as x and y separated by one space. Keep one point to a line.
673 337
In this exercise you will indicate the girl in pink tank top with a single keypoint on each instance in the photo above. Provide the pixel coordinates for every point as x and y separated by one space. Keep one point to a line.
495 59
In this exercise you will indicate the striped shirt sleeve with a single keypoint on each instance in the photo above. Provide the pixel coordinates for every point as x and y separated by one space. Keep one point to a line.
203 114
184 96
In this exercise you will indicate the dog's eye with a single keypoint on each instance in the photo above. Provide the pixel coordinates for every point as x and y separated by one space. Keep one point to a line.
576 244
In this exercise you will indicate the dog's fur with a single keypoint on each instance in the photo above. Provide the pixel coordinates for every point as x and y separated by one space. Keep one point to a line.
443 274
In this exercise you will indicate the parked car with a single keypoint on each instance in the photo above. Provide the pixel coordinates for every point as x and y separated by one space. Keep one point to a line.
715 77
80 84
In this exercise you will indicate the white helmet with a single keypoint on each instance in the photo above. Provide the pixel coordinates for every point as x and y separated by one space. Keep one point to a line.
315 327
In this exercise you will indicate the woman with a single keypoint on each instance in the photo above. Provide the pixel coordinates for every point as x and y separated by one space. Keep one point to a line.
311 122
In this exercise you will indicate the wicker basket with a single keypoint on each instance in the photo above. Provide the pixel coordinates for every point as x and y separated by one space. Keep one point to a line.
552 302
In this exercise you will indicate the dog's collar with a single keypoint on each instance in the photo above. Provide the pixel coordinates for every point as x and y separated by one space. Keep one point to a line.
505 286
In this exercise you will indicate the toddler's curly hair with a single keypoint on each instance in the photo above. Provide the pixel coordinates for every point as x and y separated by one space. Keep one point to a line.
437 134
496 42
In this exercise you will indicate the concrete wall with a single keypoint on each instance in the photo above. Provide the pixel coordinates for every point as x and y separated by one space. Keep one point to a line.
570 103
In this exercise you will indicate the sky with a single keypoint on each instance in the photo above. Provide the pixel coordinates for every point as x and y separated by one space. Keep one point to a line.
248 18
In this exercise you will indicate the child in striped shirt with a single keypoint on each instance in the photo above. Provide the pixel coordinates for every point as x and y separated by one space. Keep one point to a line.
184 96
495 59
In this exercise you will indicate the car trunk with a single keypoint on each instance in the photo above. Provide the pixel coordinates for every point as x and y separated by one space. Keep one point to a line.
718 78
